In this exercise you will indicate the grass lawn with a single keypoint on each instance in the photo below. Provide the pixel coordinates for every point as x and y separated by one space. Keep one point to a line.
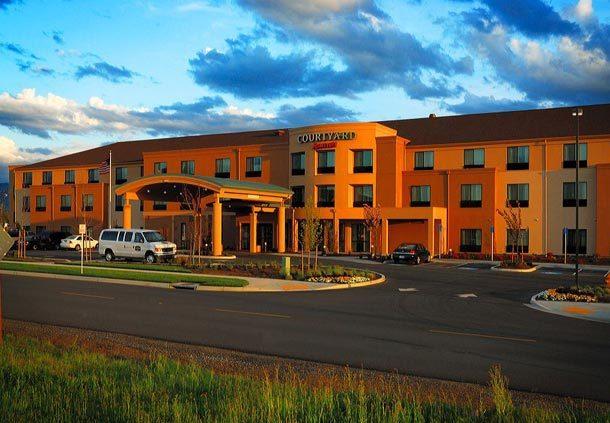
137 266
42 382
123 274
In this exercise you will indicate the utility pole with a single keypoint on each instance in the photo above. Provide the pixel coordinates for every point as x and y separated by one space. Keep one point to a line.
577 113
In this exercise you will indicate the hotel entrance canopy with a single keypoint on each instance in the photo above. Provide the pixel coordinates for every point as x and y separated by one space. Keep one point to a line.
238 194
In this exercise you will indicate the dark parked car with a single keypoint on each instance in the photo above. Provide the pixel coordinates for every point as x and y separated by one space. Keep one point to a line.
413 253
47 240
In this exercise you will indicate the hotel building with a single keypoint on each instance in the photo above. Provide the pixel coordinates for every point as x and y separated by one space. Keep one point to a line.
438 181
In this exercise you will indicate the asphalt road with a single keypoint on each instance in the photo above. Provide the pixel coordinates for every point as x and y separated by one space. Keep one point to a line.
430 320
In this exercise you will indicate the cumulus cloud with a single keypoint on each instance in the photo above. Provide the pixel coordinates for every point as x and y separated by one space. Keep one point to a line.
369 52
44 115
104 70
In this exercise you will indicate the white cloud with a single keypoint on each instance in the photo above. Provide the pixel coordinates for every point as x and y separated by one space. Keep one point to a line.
194 6
583 11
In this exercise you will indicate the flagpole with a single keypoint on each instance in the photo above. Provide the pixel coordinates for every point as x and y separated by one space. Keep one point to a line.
110 192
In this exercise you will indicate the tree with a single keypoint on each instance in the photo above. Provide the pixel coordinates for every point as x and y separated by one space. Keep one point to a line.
192 200
512 217
311 231
372 220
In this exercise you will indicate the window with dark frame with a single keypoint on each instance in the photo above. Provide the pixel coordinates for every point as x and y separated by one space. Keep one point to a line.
120 175
474 158
571 242
93 176
119 201
363 161
65 203
569 155
326 196
254 167
298 163
569 194
472 196
160 168
87 202
518 195
424 160
223 167
420 196
47 177
326 161
187 167
69 177
470 240
27 180
523 241
159 205
41 203
363 195
25 204
298 196
518 158
65 229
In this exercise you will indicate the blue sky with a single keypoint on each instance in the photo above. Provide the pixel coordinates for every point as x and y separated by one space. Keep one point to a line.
75 75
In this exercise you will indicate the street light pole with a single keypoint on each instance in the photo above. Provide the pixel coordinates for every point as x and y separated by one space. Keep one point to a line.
577 113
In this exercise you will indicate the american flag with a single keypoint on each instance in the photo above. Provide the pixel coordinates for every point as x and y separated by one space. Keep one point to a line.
104 167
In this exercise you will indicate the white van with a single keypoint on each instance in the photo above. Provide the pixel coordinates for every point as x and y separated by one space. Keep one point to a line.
138 244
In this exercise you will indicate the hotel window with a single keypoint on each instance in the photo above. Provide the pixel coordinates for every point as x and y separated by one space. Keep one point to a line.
517 242
47 177
298 163
119 201
141 171
93 176
223 168
569 155
25 204
27 180
420 196
87 202
518 195
159 205
474 158
40 229
69 177
471 195
254 166
65 229
65 203
363 161
41 203
518 158
363 195
187 167
424 160
470 240
569 194
326 196
571 242
120 176
298 196
160 168
326 161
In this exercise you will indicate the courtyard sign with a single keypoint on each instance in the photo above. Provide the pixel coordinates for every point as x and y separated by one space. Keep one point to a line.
326 136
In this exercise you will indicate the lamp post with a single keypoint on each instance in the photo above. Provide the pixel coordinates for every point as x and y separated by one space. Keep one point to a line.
577 113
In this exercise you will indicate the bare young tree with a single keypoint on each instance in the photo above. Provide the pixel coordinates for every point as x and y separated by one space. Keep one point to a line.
372 220
512 218
311 230
192 201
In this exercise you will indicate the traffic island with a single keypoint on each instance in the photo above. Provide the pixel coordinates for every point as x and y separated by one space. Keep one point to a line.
589 302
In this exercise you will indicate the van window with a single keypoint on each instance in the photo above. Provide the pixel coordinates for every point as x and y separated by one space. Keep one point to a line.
128 236
121 235
138 238
109 235
153 237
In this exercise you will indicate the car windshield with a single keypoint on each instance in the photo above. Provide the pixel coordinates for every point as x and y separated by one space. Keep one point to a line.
407 247
153 237
72 237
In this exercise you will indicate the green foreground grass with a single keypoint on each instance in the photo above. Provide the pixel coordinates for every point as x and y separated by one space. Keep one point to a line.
137 266
123 274
42 382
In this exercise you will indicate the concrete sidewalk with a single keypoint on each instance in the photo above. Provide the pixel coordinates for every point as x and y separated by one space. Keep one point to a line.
598 312
254 284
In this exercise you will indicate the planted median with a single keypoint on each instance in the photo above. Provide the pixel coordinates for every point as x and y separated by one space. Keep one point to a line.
116 273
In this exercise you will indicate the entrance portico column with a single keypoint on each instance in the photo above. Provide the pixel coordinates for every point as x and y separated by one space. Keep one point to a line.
127 215
217 227
253 223
281 229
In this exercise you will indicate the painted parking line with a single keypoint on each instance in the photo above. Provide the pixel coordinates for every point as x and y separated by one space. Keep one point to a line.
77 294
480 335
252 313
408 289
468 295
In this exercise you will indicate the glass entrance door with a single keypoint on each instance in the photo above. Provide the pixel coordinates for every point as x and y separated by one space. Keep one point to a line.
361 238
264 235
245 236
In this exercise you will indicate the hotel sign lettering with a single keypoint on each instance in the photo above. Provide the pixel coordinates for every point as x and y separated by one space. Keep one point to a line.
326 136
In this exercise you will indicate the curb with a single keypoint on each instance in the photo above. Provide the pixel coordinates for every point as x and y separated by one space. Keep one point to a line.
541 306
502 269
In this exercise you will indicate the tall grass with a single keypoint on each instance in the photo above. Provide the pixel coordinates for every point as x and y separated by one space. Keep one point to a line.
41 382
